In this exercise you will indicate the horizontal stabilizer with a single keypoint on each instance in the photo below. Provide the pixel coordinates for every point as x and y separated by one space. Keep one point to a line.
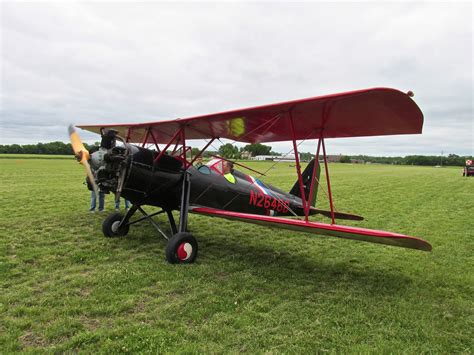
338 215
334 230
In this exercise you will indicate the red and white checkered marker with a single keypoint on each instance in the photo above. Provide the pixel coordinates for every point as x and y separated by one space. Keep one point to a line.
468 162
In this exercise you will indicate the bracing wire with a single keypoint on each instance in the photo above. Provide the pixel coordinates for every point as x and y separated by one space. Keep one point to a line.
278 160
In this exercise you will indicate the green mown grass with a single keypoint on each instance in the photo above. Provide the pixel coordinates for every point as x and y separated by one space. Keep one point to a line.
35 156
64 287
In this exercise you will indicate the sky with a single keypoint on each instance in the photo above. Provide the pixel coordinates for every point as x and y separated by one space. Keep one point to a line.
122 62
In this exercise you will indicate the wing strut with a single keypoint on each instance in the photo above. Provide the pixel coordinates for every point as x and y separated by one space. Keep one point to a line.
145 139
316 167
177 133
328 181
149 133
298 168
154 140
307 202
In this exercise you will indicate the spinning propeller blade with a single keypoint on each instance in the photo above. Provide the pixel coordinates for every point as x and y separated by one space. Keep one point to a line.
82 155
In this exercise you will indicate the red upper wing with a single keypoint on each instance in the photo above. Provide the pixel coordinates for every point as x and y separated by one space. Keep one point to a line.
370 112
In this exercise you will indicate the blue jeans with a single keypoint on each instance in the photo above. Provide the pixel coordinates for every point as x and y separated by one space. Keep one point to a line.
117 204
101 201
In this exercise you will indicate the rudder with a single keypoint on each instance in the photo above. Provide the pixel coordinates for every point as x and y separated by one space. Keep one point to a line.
306 175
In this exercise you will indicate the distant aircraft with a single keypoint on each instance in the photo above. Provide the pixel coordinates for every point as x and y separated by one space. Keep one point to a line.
468 168
171 182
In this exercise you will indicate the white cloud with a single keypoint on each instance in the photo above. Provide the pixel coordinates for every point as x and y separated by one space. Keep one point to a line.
125 62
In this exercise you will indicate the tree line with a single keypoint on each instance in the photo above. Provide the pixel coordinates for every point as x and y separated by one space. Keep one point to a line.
52 148
250 150
60 148
231 151
423 160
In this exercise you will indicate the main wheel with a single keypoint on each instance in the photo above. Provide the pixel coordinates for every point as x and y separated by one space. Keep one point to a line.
182 248
110 227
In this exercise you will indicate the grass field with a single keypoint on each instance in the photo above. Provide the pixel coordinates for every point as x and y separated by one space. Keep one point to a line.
64 287
34 156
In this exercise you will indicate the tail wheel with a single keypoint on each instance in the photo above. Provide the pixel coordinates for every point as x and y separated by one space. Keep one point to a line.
182 248
110 226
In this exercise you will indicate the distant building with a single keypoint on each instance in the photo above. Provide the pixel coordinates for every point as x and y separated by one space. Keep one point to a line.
245 155
334 158
357 161
283 157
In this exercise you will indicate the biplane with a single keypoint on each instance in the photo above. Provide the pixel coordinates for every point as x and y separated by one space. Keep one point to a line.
167 177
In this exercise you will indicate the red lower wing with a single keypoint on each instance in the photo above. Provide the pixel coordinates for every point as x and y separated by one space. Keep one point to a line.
361 234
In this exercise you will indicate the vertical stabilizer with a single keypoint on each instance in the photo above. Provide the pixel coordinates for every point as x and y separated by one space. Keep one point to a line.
306 175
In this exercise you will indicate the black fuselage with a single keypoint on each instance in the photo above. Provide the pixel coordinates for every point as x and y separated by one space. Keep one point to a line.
160 183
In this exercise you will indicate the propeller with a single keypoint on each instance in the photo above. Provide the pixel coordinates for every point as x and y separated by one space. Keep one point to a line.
82 156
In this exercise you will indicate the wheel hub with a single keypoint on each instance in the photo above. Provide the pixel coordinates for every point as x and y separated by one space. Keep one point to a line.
184 251
115 226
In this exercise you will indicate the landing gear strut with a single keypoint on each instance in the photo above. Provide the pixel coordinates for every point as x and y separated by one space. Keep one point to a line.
181 248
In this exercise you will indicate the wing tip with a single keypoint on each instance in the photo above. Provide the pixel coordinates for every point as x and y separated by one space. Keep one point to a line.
426 246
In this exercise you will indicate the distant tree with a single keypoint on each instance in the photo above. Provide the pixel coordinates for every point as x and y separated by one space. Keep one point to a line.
257 149
209 153
345 159
229 151
306 156
92 147
193 152
15 149
454 160
425 160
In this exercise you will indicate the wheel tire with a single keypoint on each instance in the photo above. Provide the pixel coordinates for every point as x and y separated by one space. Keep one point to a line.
110 226
182 248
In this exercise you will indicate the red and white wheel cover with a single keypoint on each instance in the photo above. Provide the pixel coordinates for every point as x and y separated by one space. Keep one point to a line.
468 162
184 251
